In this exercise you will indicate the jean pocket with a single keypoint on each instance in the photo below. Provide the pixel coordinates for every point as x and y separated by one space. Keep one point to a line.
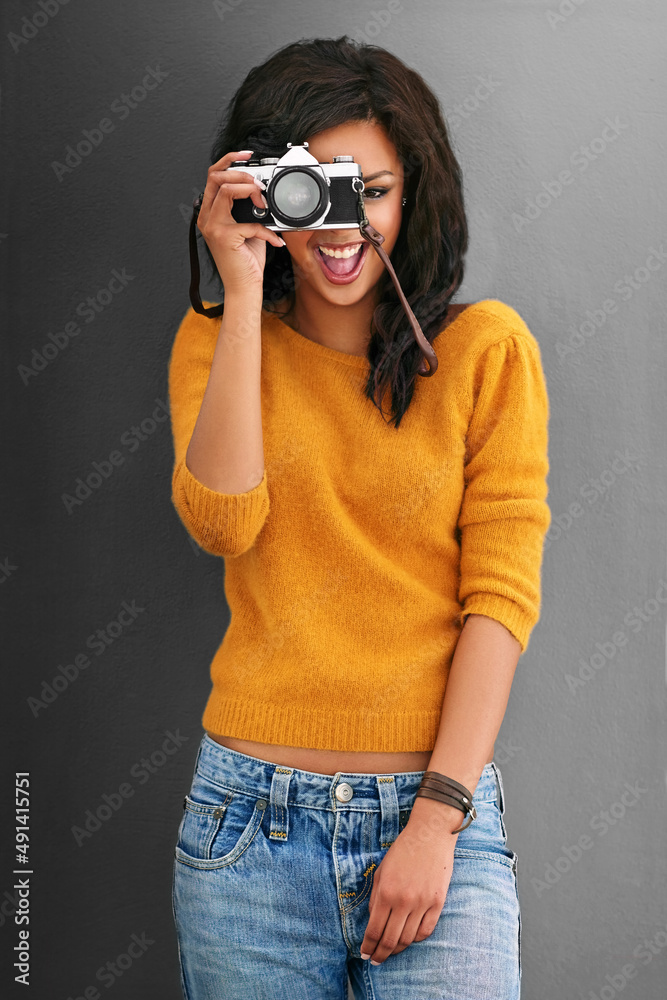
487 830
218 825
500 810
503 855
501 799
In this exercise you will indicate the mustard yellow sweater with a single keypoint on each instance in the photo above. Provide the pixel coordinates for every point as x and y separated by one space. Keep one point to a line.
350 568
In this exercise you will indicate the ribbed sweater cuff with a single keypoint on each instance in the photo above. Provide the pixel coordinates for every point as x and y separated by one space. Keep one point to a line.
504 610
224 524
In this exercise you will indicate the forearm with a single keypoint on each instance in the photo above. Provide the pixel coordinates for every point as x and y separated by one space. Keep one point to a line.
476 696
226 450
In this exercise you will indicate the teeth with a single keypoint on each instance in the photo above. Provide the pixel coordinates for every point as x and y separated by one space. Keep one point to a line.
347 252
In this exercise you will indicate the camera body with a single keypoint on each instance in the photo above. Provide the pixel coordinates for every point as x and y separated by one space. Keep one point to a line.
301 192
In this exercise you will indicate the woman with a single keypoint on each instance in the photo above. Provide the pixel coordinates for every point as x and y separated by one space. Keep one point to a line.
383 575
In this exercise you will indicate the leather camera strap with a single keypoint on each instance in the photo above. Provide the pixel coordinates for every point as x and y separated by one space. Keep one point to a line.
376 239
195 298
369 233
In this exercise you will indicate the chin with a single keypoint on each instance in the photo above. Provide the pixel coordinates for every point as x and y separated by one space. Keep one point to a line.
345 293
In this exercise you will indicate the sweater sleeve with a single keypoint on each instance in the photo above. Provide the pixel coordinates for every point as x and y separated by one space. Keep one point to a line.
504 515
223 524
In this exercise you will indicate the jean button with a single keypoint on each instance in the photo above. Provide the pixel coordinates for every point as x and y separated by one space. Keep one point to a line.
344 792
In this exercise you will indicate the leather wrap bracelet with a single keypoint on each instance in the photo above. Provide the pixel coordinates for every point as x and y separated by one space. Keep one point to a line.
438 786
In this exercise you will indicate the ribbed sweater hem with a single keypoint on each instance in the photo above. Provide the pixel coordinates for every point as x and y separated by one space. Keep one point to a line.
322 729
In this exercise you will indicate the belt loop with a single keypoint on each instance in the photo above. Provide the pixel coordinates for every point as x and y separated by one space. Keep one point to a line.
389 825
279 811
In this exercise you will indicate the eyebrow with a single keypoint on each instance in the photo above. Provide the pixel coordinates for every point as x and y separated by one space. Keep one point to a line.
378 174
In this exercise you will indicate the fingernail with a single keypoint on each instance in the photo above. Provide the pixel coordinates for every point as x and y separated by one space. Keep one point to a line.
364 956
266 204
282 243
246 151
260 184
375 963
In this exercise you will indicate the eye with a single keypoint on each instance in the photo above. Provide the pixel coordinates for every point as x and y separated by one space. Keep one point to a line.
374 193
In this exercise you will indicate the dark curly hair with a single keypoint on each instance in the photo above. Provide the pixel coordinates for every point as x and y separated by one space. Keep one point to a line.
316 84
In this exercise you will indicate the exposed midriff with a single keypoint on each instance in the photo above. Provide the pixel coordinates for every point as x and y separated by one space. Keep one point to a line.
329 761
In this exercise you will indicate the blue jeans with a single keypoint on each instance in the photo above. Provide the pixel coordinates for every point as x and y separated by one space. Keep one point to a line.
272 874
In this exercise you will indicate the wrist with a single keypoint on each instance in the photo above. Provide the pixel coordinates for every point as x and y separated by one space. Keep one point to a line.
243 304
429 814
242 318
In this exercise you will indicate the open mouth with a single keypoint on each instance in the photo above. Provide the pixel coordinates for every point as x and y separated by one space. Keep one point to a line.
342 264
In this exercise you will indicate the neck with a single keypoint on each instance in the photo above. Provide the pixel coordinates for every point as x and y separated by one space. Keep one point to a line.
342 327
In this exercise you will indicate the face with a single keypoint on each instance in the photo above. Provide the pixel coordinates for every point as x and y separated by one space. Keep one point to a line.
382 174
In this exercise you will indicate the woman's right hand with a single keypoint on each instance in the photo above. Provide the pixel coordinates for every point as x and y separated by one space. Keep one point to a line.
238 248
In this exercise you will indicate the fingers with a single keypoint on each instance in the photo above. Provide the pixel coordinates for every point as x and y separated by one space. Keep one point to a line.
221 215
390 931
224 161
215 220
244 187
413 930
218 173
381 940
246 230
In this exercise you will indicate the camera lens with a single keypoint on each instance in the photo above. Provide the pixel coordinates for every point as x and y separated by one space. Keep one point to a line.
296 194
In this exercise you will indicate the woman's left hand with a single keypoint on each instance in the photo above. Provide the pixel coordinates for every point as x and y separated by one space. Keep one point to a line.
409 890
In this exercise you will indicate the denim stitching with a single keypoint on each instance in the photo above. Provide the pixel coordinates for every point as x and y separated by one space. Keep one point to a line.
366 891
470 852
280 807
368 982
516 886
204 808
186 992
387 780
193 862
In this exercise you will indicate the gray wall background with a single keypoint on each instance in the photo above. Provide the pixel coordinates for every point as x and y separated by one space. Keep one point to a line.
531 90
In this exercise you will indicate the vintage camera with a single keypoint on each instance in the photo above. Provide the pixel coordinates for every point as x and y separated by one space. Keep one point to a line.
301 192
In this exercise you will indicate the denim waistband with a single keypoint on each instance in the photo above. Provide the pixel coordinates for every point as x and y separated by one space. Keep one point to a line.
255 776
